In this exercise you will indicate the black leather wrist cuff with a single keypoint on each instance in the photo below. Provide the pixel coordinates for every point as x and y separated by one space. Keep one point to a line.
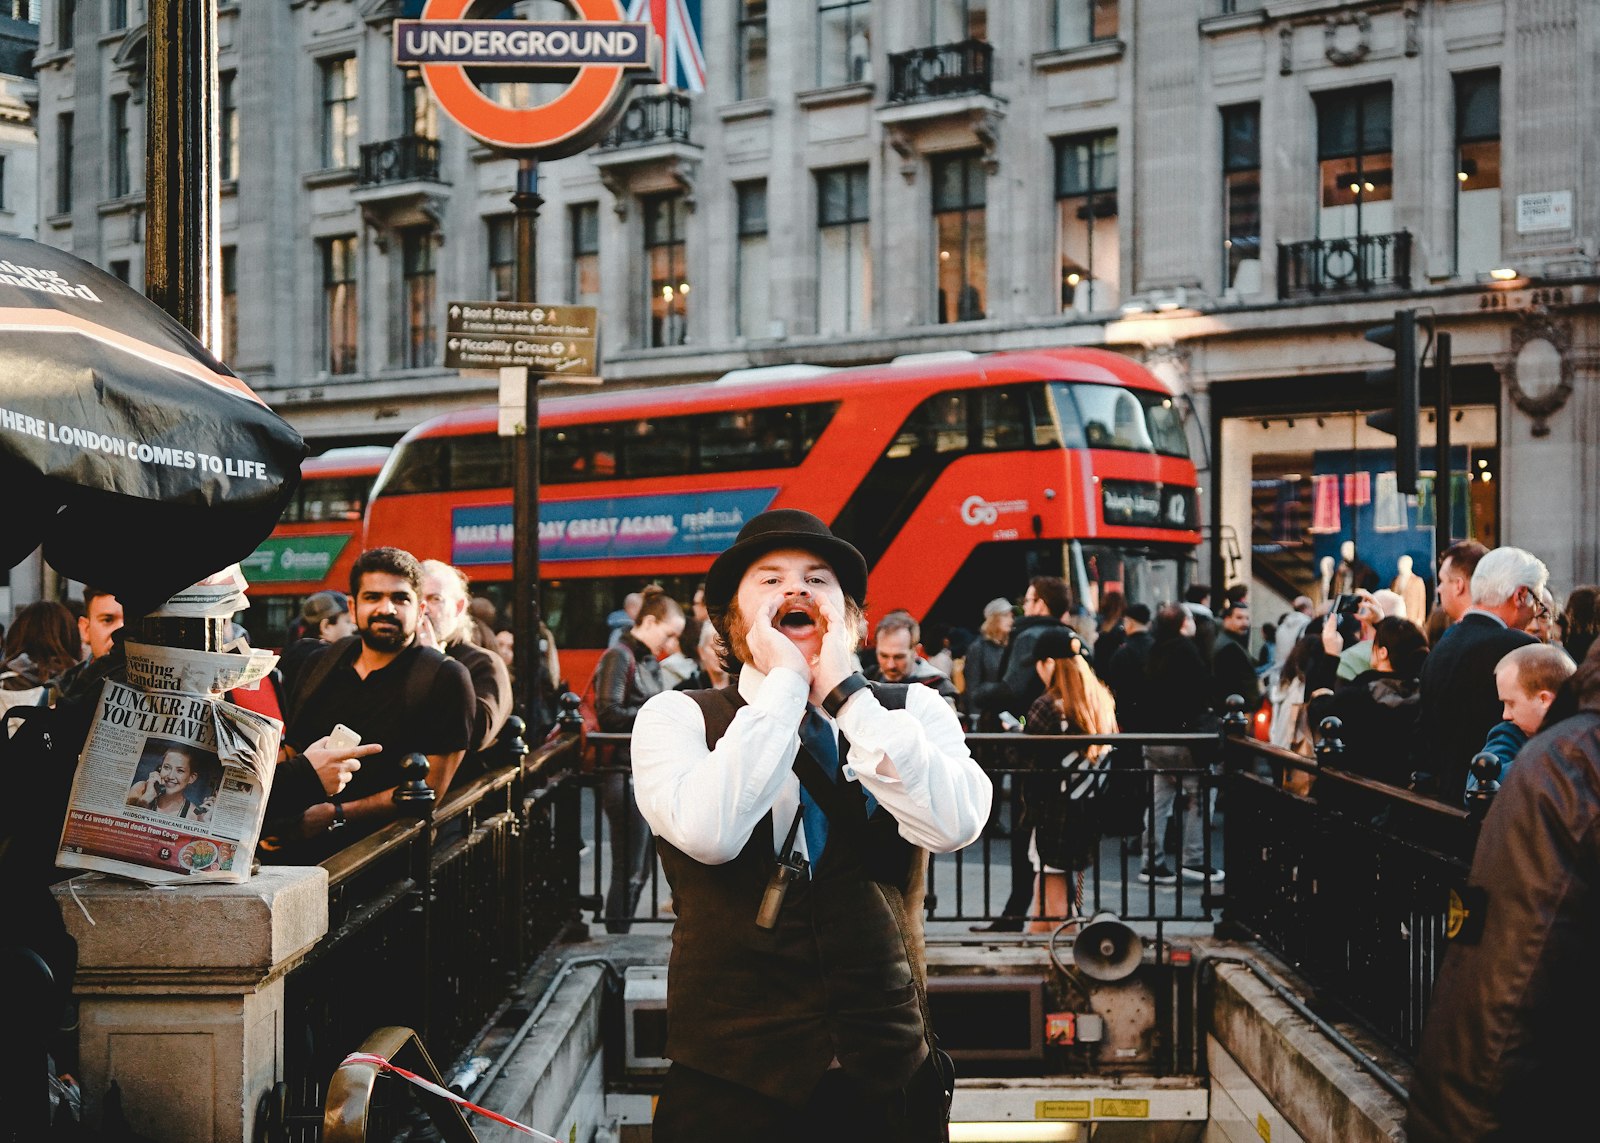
835 700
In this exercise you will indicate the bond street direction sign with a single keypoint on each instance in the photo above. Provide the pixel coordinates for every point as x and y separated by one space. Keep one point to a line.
552 340
506 43
599 48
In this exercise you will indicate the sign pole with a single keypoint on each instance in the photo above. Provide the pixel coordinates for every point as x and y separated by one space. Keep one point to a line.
525 202
1442 508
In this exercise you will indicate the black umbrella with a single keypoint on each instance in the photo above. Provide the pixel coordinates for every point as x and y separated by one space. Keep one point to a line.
134 456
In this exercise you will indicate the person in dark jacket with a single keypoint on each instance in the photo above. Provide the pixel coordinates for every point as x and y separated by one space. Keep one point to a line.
1498 1058
1043 604
1125 672
1459 701
1111 630
1180 689
626 675
1377 709
1232 666
982 671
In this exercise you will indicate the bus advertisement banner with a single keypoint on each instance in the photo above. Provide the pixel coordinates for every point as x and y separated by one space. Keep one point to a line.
621 527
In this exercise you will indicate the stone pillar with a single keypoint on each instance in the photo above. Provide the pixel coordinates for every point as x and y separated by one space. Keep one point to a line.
180 994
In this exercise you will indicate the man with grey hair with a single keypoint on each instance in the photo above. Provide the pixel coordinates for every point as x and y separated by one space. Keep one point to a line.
1460 702
449 627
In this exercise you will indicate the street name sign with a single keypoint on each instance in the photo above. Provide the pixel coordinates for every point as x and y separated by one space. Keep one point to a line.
556 341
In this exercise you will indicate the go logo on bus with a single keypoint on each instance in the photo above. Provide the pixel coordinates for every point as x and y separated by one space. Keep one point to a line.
978 512
600 45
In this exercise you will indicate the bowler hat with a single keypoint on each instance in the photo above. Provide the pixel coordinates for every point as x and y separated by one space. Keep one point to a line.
784 528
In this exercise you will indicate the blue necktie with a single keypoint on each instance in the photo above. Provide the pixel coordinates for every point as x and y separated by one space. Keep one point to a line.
822 744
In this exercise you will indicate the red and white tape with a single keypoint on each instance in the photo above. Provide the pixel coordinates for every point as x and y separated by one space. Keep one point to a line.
445 1093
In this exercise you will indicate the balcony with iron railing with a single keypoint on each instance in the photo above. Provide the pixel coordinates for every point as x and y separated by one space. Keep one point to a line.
409 158
649 119
1360 263
945 71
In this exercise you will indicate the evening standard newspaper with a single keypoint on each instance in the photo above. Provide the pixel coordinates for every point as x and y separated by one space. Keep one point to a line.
173 781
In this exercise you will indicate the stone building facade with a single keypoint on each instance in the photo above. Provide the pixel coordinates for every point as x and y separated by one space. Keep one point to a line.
1233 191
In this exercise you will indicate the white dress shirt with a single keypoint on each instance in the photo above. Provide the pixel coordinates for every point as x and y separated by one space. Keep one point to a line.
915 762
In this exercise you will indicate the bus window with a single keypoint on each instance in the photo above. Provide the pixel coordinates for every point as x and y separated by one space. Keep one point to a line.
340 498
1148 574
563 455
1055 422
813 420
659 447
937 426
480 462
1126 419
1004 419
747 438
421 466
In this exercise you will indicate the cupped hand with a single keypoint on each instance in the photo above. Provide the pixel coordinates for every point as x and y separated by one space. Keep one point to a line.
769 647
834 663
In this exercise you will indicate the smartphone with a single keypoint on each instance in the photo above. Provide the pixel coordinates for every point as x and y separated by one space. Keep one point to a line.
1346 604
343 738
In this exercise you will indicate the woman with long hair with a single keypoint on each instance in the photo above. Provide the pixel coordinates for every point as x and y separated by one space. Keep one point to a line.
1074 701
41 645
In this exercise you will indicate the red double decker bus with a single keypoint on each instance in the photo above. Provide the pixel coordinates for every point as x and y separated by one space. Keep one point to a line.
957 475
315 542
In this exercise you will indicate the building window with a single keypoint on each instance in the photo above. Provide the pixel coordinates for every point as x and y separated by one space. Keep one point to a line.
66 19
121 269
1080 22
844 42
1241 198
957 20
502 257
1087 237
584 288
1477 172
844 259
121 179
961 262
227 127
340 312
116 15
230 302
3 183
421 112
1356 162
64 160
751 77
665 219
416 255
753 288
341 125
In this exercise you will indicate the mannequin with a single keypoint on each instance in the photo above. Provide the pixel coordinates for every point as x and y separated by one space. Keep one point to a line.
1351 573
1409 586
1325 578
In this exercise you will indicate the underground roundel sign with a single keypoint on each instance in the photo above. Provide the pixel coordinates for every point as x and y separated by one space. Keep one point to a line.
600 45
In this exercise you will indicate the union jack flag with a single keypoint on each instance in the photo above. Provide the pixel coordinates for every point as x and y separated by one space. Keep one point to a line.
677 22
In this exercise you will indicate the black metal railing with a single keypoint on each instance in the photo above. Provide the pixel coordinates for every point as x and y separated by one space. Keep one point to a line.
1344 265
995 879
966 68
653 117
1349 883
432 925
406 159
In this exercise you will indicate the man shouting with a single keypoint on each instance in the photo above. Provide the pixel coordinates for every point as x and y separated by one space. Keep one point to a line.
794 811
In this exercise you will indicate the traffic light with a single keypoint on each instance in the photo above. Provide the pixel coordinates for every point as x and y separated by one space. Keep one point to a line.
1401 380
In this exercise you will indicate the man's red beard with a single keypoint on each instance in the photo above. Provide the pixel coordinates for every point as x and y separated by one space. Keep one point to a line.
734 629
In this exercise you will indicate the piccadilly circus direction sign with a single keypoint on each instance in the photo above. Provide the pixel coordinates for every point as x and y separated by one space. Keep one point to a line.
600 48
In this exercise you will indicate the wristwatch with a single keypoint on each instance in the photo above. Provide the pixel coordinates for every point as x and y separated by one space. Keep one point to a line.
338 815
835 700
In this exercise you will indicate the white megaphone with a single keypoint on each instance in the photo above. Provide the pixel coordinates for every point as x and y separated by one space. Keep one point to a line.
1106 949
